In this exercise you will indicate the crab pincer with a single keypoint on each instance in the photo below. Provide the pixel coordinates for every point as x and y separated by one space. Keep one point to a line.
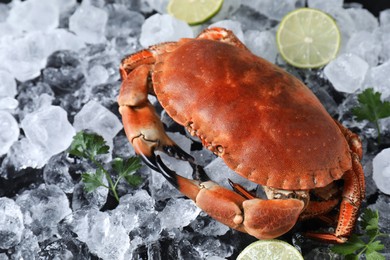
260 218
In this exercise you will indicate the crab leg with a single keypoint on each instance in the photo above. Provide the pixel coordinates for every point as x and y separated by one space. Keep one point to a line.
353 140
261 218
352 196
141 123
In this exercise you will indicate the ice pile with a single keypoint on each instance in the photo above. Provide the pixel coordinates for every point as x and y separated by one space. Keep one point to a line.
59 75
364 49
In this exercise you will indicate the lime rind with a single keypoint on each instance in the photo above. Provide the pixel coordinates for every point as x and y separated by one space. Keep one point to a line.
293 29
194 12
270 249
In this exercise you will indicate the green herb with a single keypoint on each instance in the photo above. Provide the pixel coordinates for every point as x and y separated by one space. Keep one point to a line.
89 146
366 243
371 108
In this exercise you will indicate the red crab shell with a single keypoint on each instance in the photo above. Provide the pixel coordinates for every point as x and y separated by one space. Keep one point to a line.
265 124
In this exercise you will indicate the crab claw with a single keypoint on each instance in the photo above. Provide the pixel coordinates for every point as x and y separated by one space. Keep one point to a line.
263 219
178 153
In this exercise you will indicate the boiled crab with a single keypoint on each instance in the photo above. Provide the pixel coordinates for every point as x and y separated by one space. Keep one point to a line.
265 124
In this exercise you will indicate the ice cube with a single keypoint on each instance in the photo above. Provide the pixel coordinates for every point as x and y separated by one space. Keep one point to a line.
209 227
136 5
384 35
182 141
62 39
346 72
234 26
363 19
31 97
158 5
325 6
65 5
122 147
81 198
24 153
102 235
63 80
97 118
92 31
34 15
123 22
366 45
378 79
209 246
274 10
8 31
163 28
98 74
8 104
11 223
178 213
219 172
63 58
229 7
9 131
381 173
251 19
262 44
384 17
49 128
56 172
7 84
28 248
134 210
345 23
43 208
160 188
4 11
24 56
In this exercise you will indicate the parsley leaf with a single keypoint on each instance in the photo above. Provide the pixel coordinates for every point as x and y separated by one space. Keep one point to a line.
89 146
126 170
357 244
93 180
371 108
350 247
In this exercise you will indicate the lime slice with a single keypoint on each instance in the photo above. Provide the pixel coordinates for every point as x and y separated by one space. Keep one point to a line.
194 11
308 38
270 249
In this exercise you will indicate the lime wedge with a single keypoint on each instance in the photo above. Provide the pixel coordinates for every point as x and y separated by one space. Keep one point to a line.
308 38
194 11
270 249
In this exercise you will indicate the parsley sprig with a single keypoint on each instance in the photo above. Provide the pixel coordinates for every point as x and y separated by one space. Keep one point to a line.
366 243
371 108
89 146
